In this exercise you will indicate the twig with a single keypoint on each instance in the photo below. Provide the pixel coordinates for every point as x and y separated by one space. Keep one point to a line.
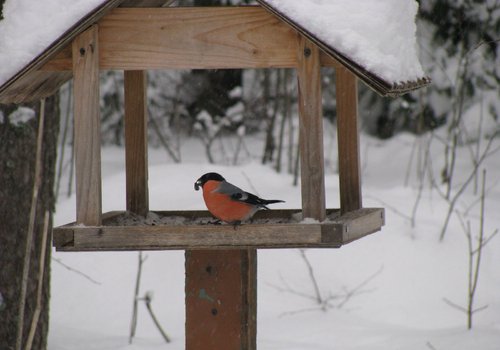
456 306
62 147
254 190
356 290
147 298
390 207
310 270
453 200
31 228
430 346
41 273
133 323
76 271
162 139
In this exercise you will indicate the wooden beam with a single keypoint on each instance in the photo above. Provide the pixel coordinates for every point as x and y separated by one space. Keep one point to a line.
87 127
192 38
311 130
348 140
221 299
136 142
191 230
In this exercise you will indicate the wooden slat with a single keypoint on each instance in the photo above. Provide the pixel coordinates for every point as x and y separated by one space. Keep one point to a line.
136 143
360 223
203 38
348 140
332 233
87 127
311 130
221 299
203 236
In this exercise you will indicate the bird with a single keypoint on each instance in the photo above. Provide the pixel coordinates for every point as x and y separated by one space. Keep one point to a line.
227 202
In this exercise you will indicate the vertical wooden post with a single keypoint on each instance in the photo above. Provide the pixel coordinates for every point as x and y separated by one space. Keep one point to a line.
311 130
348 140
221 299
85 51
136 142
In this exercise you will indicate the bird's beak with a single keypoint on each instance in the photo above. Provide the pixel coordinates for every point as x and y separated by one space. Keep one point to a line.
197 185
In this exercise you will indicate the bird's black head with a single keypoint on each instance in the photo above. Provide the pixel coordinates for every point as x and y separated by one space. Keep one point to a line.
207 177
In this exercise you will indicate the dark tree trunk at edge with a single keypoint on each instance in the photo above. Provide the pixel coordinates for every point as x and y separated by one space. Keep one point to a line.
17 173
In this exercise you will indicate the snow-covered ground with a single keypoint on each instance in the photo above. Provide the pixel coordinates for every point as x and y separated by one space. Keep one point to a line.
399 276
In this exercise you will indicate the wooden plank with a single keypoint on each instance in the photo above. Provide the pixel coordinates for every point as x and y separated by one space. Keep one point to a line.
332 233
136 142
62 61
87 127
195 38
199 236
362 222
221 301
311 130
191 38
348 141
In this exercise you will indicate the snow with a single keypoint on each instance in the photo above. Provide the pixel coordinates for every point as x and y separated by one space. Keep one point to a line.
25 33
401 274
378 35
20 115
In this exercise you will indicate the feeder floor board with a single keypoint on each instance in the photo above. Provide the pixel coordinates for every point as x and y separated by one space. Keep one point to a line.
167 230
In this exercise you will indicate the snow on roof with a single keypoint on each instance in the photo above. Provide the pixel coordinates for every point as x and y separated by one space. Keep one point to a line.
378 35
29 27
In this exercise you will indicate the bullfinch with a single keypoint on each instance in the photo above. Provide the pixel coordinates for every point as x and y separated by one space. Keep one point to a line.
227 202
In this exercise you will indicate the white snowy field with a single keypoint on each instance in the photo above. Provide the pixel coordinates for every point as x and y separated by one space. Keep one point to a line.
399 276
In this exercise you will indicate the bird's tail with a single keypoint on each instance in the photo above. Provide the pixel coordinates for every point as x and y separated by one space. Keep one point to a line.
271 201
265 202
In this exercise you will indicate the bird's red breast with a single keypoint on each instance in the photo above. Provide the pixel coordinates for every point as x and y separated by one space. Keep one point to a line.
222 206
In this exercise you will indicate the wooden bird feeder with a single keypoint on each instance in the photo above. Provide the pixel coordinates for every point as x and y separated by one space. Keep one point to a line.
220 261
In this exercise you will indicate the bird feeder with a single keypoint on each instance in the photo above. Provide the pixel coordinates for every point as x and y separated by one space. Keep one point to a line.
220 261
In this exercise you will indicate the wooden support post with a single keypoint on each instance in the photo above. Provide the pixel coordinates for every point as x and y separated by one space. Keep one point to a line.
348 140
311 130
221 299
136 143
85 51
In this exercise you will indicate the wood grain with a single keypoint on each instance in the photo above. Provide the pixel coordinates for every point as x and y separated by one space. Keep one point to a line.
332 233
87 127
136 142
221 301
194 38
348 141
311 130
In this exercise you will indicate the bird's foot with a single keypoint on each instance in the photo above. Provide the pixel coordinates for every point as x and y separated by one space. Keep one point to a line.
236 224
215 222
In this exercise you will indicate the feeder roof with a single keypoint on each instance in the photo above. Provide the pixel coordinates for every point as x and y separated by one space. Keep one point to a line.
374 39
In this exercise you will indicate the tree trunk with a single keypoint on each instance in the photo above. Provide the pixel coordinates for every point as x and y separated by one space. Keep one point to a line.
17 174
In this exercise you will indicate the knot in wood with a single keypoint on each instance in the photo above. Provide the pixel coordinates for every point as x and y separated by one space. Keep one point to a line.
82 51
307 52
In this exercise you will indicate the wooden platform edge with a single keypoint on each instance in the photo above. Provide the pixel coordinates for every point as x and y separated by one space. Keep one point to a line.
327 234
